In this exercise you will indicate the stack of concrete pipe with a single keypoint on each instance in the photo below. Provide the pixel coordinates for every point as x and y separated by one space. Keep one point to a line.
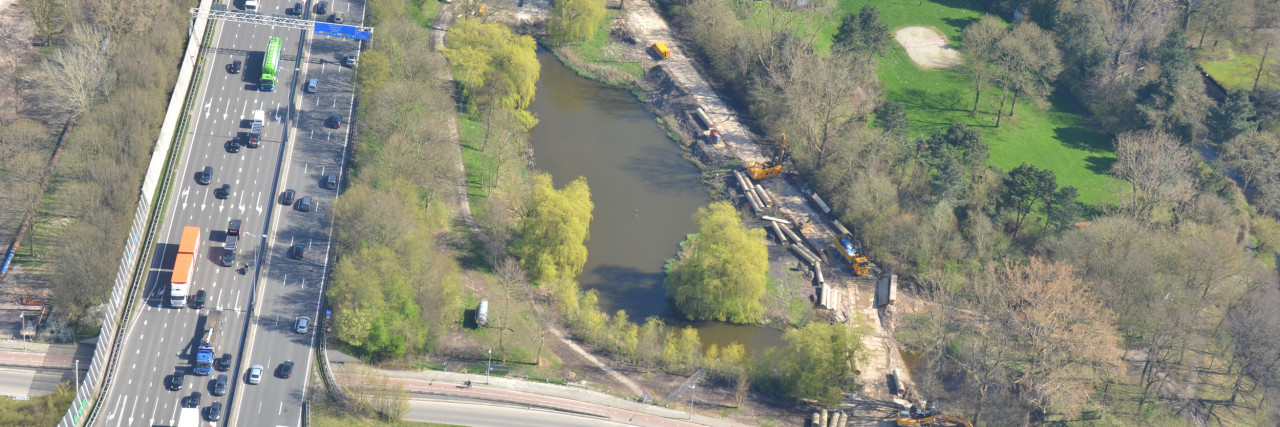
749 190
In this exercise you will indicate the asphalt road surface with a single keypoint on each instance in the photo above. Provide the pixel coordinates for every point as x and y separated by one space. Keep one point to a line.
468 413
163 339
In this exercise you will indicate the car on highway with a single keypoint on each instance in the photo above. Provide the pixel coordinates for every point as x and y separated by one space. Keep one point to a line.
255 374
305 204
223 363
301 325
175 381
213 412
192 401
349 60
220 385
296 251
331 181
337 17
198 301
313 85
334 121
223 192
296 10
233 146
286 197
286 369
234 67
322 8
206 176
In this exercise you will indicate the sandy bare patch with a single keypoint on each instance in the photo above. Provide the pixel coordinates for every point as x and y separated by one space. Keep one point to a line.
928 47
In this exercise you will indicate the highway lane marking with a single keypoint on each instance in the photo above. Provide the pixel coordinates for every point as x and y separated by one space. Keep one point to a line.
120 401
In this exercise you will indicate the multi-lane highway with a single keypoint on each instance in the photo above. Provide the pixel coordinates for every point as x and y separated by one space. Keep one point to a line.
298 151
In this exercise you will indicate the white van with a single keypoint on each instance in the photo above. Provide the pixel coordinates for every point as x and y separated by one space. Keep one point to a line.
251 5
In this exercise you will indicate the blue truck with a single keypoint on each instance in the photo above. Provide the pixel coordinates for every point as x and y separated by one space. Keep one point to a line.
208 343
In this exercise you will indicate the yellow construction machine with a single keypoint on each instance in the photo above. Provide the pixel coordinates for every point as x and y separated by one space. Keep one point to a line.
771 168
929 417
851 249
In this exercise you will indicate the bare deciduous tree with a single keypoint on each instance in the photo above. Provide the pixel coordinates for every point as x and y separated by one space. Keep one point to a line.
72 77
1158 168
49 16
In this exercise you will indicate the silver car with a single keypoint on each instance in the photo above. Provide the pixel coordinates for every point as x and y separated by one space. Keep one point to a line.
255 374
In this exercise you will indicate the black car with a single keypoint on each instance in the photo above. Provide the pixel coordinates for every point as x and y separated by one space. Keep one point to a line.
192 401
206 176
296 251
286 198
223 363
220 385
297 9
305 204
322 8
233 146
234 68
331 181
198 301
222 192
286 369
175 381
334 121
214 412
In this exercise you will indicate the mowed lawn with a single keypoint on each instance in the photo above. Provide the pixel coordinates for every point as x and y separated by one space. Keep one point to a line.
1057 139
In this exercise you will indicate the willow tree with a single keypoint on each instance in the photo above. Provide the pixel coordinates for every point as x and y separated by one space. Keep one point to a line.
493 65
574 21
722 270
553 234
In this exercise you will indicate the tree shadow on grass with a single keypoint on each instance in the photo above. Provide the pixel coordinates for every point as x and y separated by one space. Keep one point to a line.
1082 138
1099 164
958 23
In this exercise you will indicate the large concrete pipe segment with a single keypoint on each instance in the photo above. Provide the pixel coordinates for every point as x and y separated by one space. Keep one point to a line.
800 252
822 422
794 237
702 117
817 270
844 419
764 196
782 238
755 202
840 228
813 421
821 204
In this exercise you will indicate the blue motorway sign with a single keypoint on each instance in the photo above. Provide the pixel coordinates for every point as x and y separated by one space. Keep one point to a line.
337 30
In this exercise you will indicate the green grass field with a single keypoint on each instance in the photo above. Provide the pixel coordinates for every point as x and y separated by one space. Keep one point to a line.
1057 139
1237 71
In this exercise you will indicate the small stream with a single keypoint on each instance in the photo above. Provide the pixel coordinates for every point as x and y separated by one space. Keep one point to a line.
644 192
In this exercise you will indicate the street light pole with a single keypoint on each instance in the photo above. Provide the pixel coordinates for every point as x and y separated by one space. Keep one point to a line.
488 367
693 391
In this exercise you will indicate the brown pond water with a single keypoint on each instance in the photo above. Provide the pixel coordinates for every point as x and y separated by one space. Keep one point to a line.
644 192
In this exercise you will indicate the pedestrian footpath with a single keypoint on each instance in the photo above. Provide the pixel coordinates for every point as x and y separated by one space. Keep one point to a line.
40 355
565 398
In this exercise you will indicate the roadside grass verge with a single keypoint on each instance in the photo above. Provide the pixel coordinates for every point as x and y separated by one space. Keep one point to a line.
328 415
425 14
1052 136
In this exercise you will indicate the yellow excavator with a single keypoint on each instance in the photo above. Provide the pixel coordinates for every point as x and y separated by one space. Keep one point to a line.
771 168
929 417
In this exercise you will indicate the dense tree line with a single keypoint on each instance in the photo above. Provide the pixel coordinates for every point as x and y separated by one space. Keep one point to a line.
393 291
987 249
116 93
